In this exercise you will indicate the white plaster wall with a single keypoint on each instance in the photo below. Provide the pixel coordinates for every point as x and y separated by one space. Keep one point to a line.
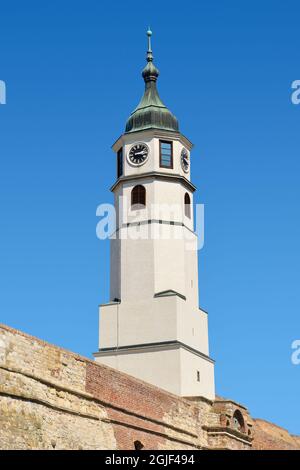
176 264
164 201
192 328
160 368
137 267
158 320
127 214
153 164
139 322
148 322
169 196
108 326
149 259
115 269
169 264
152 258
189 364
174 370
191 269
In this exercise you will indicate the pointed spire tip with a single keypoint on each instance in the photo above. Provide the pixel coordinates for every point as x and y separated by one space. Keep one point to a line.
149 51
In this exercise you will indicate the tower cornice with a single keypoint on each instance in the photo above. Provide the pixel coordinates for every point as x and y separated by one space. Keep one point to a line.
158 133
156 175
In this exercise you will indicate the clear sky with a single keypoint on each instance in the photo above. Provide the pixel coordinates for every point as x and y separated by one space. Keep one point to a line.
72 71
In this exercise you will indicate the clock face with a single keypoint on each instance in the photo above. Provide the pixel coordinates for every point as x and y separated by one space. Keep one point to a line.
185 160
138 154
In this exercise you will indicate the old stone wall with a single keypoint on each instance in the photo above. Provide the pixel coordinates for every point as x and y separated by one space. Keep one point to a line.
51 398
268 436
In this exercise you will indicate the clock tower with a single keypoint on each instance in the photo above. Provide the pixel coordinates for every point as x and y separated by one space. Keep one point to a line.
152 327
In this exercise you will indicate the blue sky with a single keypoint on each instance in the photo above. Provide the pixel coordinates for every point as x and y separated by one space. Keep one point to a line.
72 71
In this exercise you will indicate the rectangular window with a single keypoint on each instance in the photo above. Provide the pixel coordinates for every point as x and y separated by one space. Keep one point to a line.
198 376
166 154
120 162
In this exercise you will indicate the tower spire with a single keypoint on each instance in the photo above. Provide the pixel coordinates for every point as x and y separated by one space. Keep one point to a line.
151 112
150 72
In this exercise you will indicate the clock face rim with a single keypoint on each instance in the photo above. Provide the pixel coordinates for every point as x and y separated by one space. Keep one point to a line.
131 147
185 151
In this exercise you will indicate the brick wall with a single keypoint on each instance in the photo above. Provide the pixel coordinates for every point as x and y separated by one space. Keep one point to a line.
51 398
268 436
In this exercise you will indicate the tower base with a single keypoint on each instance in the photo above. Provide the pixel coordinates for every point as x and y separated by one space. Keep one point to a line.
170 365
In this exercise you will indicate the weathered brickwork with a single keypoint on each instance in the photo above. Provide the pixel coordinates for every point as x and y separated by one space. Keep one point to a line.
53 399
270 436
168 420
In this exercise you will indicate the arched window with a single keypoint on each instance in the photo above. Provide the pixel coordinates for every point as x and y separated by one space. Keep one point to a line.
238 421
187 205
138 197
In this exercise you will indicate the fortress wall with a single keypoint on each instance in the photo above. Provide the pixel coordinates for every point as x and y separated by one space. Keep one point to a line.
269 436
51 398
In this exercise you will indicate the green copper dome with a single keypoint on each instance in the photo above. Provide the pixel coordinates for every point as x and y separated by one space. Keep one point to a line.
151 112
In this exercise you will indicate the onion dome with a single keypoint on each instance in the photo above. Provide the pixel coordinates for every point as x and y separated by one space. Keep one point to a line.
151 113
